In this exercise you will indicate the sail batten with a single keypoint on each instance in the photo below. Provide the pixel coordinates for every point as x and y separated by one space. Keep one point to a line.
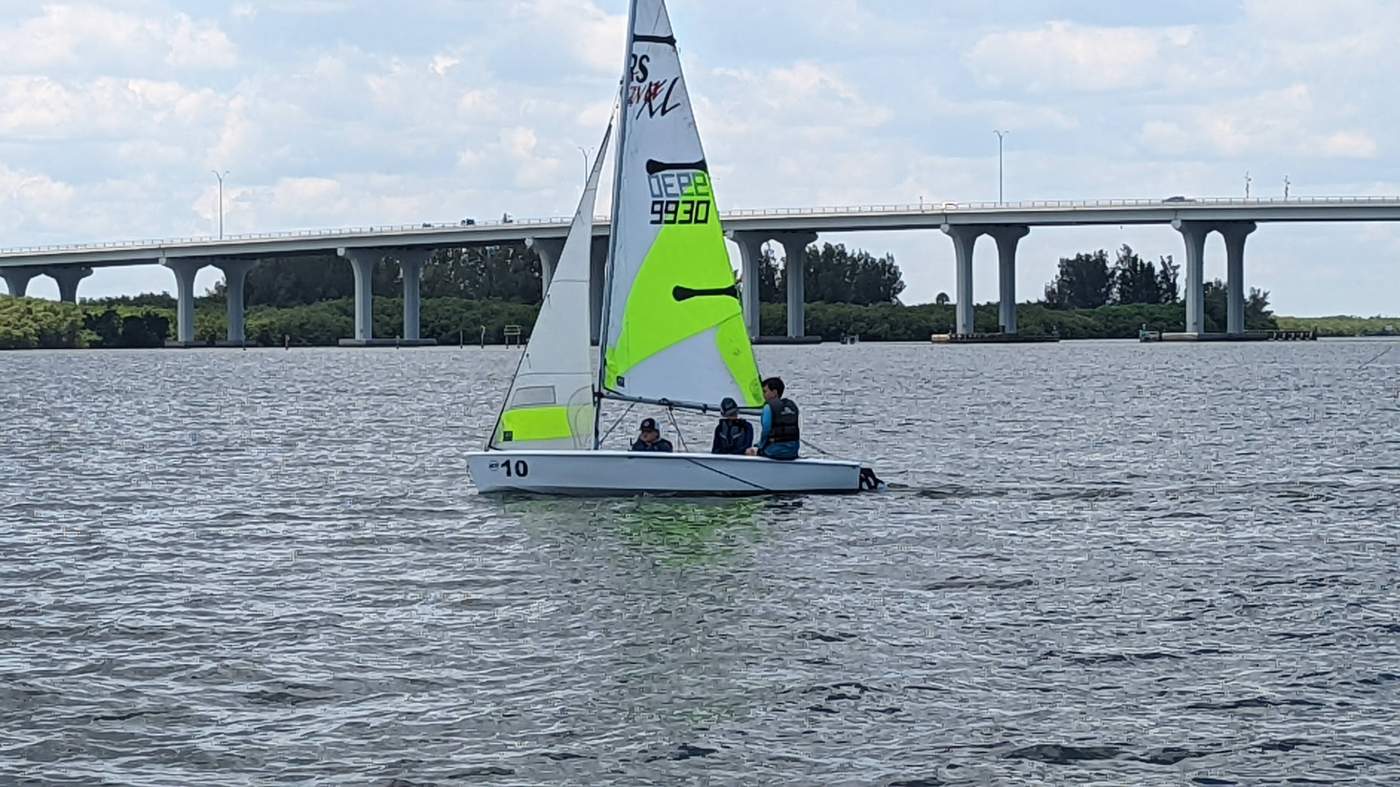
674 327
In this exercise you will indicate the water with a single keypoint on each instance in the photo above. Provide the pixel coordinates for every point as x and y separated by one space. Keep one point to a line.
1105 563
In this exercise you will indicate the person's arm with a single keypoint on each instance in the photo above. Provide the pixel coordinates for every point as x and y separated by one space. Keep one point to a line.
767 426
714 444
748 436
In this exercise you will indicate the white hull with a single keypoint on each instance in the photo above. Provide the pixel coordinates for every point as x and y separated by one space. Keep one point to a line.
625 472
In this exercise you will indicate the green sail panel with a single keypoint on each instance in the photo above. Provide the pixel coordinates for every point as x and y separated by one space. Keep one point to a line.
550 404
675 323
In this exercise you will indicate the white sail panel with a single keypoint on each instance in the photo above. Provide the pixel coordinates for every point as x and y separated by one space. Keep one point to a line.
675 327
550 404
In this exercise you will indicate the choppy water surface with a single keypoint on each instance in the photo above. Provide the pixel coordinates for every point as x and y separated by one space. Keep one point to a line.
1108 562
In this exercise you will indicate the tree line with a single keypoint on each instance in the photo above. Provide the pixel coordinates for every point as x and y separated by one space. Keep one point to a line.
309 298
1089 281
833 274
511 274
31 323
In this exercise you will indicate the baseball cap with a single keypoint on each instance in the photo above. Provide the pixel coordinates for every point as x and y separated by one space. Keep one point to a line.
649 425
728 406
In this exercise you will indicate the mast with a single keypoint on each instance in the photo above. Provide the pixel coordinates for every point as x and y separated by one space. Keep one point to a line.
612 220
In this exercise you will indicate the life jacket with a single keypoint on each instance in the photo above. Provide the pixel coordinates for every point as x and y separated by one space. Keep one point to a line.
784 428
661 446
732 437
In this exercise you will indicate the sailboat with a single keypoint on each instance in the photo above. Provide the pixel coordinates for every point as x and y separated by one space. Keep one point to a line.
672 329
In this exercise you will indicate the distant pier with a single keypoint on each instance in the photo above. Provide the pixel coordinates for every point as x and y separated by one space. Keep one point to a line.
1243 336
787 340
991 338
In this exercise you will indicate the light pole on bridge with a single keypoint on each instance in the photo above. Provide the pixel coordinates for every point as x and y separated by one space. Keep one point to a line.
221 200
584 153
1000 193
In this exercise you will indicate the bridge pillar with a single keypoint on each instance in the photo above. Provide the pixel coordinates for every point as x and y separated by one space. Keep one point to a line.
68 277
1194 233
750 254
597 270
964 241
185 270
362 262
795 272
411 262
235 277
549 250
1235 233
17 279
1007 238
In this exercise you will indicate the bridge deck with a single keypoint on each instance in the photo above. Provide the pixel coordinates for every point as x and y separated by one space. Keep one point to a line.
1037 213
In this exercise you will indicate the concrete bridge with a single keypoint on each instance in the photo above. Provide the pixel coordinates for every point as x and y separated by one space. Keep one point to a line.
794 228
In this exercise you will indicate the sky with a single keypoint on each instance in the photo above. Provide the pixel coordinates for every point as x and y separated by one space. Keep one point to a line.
329 113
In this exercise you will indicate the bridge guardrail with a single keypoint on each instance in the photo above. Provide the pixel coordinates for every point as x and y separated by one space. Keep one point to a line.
834 210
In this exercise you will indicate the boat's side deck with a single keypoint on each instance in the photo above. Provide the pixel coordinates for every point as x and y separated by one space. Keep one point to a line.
628 472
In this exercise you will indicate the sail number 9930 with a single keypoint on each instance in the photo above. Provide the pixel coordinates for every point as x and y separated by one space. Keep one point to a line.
680 211
680 197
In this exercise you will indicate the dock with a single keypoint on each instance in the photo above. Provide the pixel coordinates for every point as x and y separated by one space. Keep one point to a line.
1247 336
788 340
992 338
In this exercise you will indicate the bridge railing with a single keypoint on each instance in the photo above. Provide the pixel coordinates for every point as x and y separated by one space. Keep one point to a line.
332 232
927 207
1051 204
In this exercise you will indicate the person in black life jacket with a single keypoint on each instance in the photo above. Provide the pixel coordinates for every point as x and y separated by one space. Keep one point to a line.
733 435
651 439
781 436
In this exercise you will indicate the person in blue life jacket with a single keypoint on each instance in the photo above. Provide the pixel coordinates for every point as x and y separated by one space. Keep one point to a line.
733 435
781 437
650 439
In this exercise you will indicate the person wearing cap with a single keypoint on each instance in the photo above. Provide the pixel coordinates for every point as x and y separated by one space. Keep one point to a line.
733 435
651 439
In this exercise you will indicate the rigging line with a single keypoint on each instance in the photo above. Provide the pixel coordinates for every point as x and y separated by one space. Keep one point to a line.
679 435
759 487
616 209
619 115
1376 357
616 423
816 448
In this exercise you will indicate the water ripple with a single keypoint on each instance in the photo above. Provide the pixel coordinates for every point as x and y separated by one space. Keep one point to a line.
1097 563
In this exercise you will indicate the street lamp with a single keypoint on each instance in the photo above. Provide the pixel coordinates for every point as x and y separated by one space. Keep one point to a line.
221 201
584 153
1000 134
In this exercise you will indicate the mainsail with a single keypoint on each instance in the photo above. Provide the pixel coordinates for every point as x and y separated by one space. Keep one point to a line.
675 328
550 404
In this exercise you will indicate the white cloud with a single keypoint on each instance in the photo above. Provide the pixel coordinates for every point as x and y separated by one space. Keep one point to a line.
1288 121
1349 144
442 63
31 197
198 45
41 107
86 37
1065 55
593 36
111 114
519 142
805 99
